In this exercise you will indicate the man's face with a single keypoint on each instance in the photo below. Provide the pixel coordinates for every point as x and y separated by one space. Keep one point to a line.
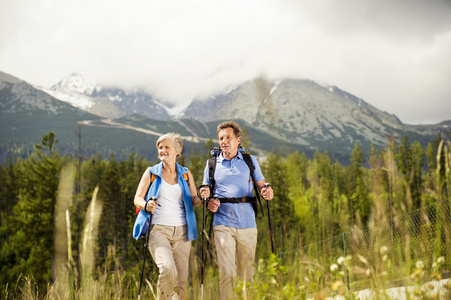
228 141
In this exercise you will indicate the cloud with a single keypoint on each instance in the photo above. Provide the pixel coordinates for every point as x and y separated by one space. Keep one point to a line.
393 54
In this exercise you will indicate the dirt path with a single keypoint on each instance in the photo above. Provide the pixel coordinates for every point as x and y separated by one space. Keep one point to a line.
110 123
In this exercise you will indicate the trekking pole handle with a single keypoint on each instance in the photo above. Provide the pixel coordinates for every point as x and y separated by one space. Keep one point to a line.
154 199
203 186
267 185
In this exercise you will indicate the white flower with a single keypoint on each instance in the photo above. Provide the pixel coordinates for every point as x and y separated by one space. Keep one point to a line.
333 268
384 258
341 260
367 272
441 260
384 250
419 264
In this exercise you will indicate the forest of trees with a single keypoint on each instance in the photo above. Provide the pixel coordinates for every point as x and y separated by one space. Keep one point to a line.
315 198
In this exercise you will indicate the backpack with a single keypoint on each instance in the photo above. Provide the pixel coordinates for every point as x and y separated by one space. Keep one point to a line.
152 179
248 160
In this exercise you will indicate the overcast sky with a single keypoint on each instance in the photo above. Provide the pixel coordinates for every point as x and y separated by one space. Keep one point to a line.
394 54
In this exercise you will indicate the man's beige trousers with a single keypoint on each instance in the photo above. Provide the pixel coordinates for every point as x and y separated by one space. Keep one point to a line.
235 248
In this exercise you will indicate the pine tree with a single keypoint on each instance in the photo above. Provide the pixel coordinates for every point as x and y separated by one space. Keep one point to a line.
197 162
360 205
282 208
113 221
245 140
33 216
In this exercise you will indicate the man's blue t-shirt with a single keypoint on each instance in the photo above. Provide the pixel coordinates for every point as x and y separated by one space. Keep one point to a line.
233 180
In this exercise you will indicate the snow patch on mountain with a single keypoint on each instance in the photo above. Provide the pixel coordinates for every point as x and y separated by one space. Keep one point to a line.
80 101
175 111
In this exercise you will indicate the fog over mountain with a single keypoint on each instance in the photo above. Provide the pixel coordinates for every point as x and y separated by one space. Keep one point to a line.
393 54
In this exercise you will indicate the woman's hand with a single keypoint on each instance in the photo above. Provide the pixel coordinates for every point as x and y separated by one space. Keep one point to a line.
151 206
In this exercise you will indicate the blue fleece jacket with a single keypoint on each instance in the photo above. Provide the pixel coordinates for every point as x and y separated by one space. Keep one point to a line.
142 220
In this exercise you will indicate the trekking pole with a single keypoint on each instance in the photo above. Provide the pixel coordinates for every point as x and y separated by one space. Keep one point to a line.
271 233
145 250
202 271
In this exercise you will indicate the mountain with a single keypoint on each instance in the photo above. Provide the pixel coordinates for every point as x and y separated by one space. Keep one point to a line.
107 102
306 113
280 116
28 113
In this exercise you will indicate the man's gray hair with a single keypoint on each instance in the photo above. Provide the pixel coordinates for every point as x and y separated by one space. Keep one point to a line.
230 124
176 140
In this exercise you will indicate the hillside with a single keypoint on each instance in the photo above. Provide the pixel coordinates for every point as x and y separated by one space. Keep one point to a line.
280 116
305 113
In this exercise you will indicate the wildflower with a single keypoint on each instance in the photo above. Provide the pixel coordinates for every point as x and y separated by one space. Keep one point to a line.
340 260
336 285
367 272
333 268
384 250
419 264
441 260
349 257
434 266
417 274
384 258
342 273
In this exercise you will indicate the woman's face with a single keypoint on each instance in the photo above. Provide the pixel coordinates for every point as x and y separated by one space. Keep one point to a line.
167 151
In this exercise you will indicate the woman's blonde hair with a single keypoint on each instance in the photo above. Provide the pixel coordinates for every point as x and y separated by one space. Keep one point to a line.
176 140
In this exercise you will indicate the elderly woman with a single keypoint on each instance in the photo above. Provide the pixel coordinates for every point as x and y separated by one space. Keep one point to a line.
174 222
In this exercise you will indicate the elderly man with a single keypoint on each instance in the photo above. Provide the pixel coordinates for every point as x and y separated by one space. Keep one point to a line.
234 226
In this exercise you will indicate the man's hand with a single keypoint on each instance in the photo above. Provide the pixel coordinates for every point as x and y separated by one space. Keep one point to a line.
267 193
213 205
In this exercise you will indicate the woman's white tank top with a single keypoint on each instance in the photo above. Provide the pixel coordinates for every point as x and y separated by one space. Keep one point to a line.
171 211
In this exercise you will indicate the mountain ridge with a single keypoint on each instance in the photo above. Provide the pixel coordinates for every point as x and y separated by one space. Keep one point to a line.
282 115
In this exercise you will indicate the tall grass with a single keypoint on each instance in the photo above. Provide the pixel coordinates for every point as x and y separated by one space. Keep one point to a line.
409 250
62 264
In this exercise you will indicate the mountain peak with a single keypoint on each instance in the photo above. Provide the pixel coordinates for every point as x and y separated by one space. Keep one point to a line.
75 83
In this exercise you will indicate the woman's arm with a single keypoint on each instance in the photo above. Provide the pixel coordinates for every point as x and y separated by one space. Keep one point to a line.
141 191
193 190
